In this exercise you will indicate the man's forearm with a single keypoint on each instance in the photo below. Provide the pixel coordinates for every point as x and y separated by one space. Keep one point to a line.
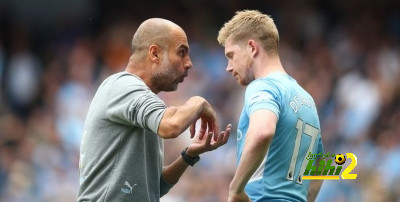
315 186
178 119
253 154
171 175
174 171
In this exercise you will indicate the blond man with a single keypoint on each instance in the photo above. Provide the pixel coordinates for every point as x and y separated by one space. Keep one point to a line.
279 124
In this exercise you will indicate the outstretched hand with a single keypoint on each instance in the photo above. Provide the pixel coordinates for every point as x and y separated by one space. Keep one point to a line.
201 145
209 121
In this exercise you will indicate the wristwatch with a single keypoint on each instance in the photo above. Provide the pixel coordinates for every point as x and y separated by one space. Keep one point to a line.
189 160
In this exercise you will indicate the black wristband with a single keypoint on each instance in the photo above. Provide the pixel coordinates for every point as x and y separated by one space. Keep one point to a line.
189 160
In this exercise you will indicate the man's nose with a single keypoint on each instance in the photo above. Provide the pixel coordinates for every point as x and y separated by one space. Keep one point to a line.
188 64
229 68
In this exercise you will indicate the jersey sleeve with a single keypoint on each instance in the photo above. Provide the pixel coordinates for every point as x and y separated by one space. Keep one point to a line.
133 103
262 95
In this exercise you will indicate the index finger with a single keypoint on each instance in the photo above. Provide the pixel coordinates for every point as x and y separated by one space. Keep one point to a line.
192 129
216 130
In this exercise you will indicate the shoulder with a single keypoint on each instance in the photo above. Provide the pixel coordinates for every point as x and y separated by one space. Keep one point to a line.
129 78
266 84
124 84
275 86
259 90
125 81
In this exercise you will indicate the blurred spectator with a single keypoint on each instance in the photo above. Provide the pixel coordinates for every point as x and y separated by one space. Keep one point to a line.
74 95
22 74
359 107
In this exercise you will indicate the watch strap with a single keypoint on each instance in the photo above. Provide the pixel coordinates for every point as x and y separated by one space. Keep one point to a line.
189 160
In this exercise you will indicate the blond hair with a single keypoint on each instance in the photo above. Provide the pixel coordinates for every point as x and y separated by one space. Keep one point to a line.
247 24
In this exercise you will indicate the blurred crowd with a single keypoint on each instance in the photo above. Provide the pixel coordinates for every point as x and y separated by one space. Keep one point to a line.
54 55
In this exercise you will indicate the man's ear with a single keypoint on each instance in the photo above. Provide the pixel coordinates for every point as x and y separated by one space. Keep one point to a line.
253 47
154 53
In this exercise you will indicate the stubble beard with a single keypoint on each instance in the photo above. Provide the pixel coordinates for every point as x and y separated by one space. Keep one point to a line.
166 78
248 77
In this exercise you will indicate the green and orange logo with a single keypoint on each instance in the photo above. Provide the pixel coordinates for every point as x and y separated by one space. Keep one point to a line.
327 171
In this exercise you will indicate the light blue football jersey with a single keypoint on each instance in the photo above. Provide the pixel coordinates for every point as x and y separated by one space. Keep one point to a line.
298 132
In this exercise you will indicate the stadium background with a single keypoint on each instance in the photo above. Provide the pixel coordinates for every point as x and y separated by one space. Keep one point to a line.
54 54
